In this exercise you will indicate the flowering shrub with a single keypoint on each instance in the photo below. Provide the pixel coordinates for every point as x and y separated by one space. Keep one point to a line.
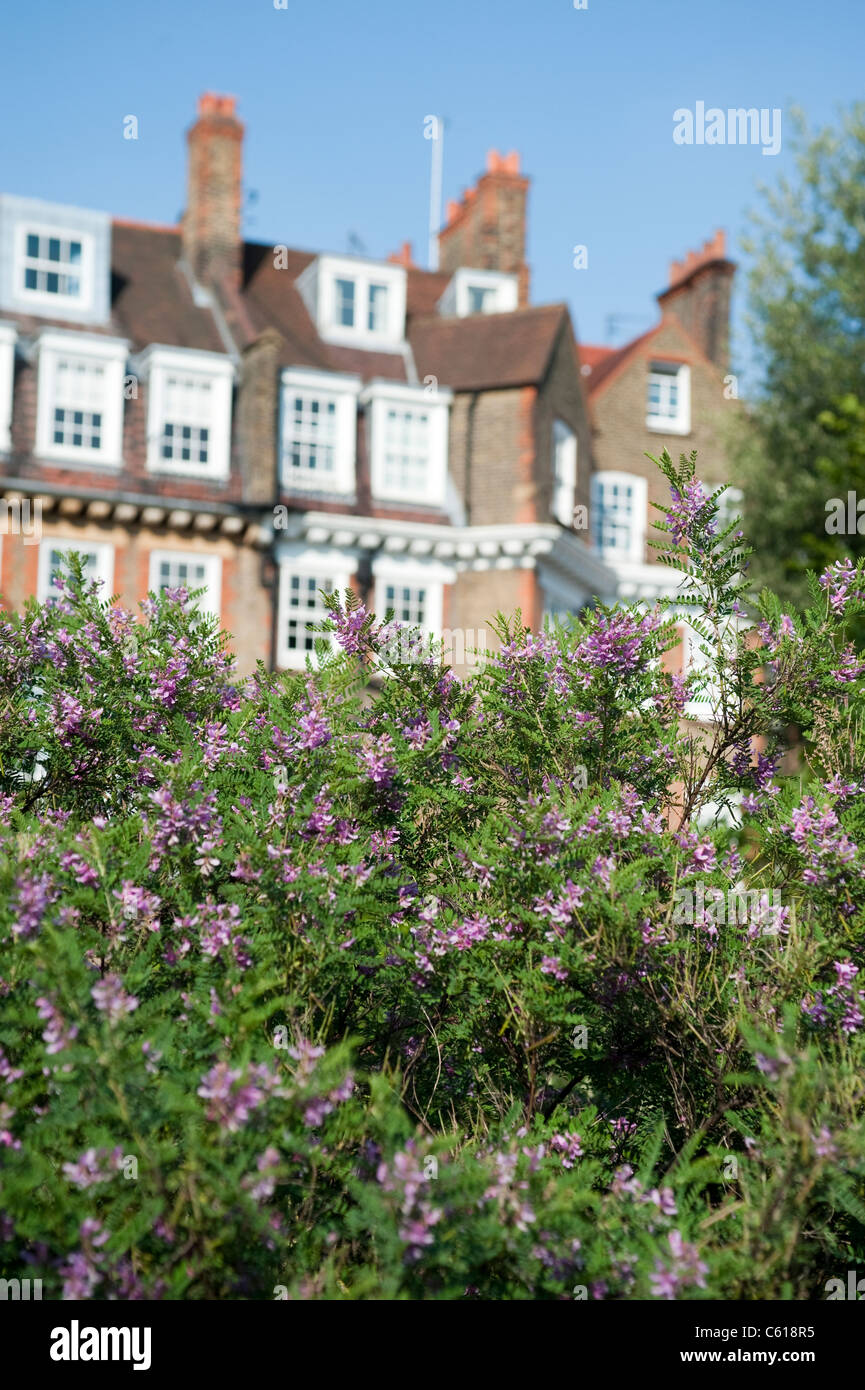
309 995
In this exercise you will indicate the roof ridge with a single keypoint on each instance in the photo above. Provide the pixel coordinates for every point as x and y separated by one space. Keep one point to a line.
146 226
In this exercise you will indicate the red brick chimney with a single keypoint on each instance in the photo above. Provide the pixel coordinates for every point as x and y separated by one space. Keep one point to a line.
211 223
487 228
405 256
699 296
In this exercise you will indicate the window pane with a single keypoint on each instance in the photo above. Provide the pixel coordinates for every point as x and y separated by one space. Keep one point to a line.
377 308
406 452
310 441
345 303
306 610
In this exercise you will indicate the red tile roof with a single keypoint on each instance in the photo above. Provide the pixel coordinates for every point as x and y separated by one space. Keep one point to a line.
604 362
488 351
152 302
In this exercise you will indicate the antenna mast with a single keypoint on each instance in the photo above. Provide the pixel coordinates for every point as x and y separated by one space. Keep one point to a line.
435 191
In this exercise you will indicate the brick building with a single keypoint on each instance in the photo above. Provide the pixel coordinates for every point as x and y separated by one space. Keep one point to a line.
668 388
183 406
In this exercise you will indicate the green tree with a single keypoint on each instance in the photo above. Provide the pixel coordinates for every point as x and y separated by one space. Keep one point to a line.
802 442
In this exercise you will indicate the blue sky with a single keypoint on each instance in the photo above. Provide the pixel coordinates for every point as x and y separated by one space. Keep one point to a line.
334 96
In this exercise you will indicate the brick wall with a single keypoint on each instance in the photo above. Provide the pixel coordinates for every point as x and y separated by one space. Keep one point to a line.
702 305
257 415
619 411
561 397
492 450
478 595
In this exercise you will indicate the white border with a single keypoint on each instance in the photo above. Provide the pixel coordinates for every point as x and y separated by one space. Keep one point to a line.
564 492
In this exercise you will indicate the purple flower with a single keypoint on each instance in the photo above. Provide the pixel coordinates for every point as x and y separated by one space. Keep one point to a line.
57 1035
686 1270
551 965
31 899
689 513
111 998
94 1166
349 629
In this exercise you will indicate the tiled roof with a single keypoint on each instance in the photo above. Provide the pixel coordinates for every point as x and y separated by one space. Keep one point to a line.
487 351
591 355
151 297
152 302
603 361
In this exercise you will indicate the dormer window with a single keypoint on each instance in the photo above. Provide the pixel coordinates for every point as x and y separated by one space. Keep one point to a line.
344 317
356 303
482 299
377 316
479 292
55 261
53 265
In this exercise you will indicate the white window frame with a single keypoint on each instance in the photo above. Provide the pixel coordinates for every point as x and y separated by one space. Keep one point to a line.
306 562
8 338
634 552
210 601
680 423
379 398
456 300
317 286
343 390
409 572
104 568
111 354
43 298
564 462
156 366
